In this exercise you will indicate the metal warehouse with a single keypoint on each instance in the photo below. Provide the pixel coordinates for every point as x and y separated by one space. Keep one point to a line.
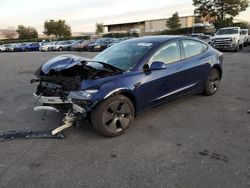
152 25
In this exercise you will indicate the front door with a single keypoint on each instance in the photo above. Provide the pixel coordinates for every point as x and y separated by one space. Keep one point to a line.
159 84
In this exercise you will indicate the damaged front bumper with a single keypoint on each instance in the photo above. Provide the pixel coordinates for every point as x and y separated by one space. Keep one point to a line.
50 100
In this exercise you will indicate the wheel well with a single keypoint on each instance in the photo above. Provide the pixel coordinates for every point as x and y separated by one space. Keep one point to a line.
219 69
126 94
129 96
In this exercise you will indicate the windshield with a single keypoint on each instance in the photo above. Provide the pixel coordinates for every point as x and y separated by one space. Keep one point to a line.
124 55
227 31
244 32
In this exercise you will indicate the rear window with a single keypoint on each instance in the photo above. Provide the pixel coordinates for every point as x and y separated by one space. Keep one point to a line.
192 48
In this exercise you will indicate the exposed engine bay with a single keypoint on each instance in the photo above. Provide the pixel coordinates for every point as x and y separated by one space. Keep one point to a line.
64 74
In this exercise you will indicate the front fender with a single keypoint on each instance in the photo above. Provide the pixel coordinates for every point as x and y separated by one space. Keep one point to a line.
118 90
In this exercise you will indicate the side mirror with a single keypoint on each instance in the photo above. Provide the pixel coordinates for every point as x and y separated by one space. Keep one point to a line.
157 65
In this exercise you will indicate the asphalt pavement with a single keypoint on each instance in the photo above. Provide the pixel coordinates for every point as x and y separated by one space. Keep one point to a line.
192 142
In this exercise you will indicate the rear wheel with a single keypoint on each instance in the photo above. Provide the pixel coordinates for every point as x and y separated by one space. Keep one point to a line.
113 116
212 82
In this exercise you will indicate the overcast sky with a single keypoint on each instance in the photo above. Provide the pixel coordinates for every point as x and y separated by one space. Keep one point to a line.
82 15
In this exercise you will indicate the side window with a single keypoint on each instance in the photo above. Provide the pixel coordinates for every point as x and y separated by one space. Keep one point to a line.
168 54
192 48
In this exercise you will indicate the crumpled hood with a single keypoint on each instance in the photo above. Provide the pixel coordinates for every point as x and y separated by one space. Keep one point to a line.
62 62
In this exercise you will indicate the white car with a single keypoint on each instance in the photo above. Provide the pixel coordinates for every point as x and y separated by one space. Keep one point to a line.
62 45
10 48
5 47
245 34
2 48
228 38
48 47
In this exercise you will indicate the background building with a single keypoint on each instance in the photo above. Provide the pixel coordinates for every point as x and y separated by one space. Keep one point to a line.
152 25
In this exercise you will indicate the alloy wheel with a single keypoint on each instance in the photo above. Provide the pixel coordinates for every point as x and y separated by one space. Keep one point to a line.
117 116
214 81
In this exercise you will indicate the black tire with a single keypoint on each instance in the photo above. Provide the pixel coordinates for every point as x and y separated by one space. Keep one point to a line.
212 82
237 48
60 49
241 46
113 116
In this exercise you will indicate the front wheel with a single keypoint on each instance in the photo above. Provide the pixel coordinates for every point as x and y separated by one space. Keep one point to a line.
245 44
212 82
113 116
241 46
237 48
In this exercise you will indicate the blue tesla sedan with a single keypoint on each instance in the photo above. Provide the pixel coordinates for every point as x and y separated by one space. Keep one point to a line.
128 78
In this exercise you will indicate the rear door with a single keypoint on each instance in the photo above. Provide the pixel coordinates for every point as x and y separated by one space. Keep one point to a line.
196 62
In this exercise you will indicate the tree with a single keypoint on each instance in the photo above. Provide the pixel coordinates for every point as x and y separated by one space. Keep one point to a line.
10 33
99 28
222 11
174 22
26 32
58 28
226 22
242 25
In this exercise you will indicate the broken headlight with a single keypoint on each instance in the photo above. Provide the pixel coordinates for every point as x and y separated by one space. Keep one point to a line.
82 95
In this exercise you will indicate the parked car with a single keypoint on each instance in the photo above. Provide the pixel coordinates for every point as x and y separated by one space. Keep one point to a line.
62 45
10 47
128 78
229 38
34 46
3 47
197 35
69 47
20 47
245 34
48 47
82 46
117 40
206 38
100 44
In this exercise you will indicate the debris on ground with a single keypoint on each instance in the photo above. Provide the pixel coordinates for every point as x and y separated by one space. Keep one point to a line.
16 135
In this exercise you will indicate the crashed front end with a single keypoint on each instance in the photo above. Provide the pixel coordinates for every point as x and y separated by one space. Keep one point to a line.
66 81
57 77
